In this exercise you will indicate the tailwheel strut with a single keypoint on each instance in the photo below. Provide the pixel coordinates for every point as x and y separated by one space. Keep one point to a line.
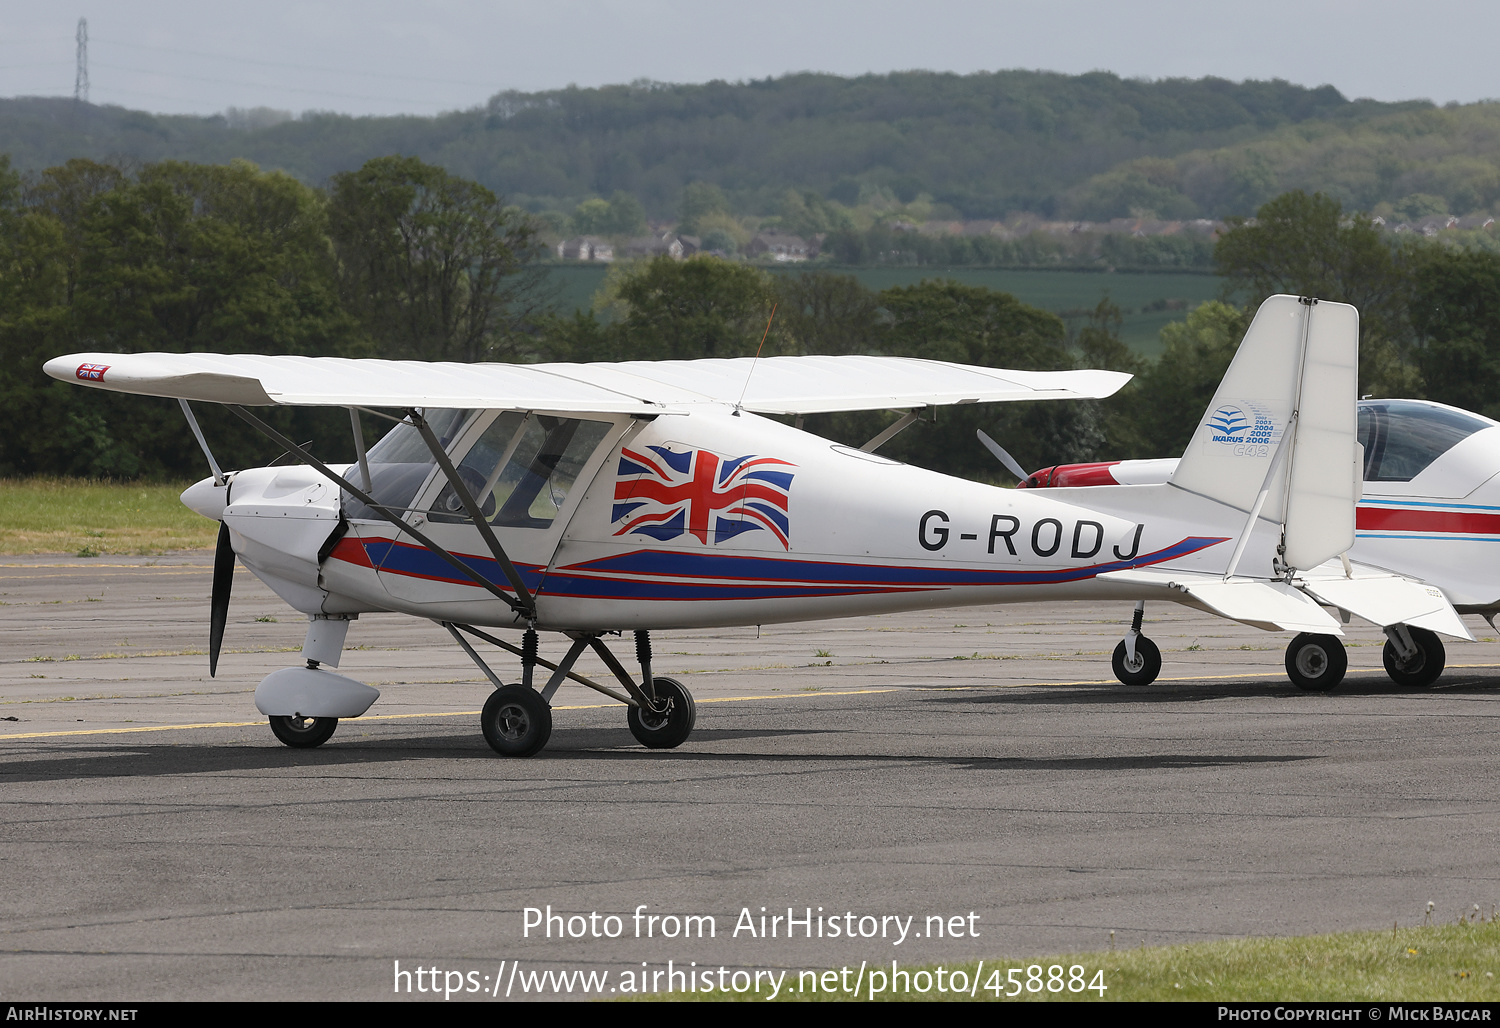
1136 660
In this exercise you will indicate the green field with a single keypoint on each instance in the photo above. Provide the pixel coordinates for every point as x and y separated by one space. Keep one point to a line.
91 519
1455 962
1063 292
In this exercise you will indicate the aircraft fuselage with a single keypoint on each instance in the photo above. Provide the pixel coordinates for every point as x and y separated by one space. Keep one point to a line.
711 519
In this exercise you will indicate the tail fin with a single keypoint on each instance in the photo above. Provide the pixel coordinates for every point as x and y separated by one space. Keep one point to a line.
1283 422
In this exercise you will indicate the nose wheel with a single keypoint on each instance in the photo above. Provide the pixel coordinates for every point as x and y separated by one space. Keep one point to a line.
1316 663
303 733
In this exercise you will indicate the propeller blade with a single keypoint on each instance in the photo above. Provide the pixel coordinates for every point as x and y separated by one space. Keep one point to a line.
1001 455
218 609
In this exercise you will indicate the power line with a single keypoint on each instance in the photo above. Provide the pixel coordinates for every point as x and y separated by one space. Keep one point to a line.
383 75
161 73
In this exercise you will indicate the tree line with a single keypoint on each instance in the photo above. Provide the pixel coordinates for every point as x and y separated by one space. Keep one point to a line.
979 146
396 259
403 260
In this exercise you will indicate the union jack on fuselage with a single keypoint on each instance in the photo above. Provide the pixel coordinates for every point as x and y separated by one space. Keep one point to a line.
666 494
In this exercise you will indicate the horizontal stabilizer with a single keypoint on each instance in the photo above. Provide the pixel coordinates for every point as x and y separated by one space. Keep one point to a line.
1273 606
1385 600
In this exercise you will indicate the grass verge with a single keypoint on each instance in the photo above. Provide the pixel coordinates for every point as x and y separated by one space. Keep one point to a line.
92 519
1441 963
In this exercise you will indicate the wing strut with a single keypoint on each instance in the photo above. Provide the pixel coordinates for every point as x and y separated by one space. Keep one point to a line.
908 419
528 610
359 447
213 465
475 515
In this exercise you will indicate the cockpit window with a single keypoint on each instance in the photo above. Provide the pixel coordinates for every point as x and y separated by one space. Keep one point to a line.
1401 438
543 467
401 462
480 469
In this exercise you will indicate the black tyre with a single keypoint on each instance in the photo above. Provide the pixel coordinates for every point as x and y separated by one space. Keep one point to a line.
517 722
1423 668
304 732
1316 663
1144 669
668 728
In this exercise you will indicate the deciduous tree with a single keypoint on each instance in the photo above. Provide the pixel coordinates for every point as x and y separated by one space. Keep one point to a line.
435 267
1455 312
945 320
1308 246
703 307
1171 394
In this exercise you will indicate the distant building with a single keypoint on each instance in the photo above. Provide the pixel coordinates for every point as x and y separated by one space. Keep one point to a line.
781 247
663 244
585 248
1024 225
1429 226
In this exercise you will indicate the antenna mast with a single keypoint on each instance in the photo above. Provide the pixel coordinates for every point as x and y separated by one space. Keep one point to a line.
81 79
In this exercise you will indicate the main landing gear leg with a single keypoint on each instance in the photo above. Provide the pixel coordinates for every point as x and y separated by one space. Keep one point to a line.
1136 660
1413 657
517 719
668 718
662 714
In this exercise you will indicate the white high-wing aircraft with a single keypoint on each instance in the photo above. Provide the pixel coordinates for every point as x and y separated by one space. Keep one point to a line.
589 499
1430 507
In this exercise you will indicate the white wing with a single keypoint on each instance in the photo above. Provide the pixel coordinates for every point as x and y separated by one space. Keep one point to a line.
774 385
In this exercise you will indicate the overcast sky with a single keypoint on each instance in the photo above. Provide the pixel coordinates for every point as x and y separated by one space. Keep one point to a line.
426 56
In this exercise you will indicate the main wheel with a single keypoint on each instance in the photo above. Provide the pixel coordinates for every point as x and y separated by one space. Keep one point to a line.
1316 663
1146 666
668 728
1423 667
517 722
304 732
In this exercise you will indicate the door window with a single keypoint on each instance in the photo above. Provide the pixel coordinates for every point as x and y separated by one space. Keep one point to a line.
521 470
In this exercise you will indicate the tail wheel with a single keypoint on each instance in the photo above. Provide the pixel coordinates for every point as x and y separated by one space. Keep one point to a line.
516 721
669 726
1422 668
1316 663
304 733
1141 671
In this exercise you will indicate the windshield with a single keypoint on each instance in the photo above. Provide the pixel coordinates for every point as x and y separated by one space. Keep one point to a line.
522 469
400 463
1402 437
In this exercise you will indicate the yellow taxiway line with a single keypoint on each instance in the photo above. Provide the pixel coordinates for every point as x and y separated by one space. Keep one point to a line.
811 694
401 717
